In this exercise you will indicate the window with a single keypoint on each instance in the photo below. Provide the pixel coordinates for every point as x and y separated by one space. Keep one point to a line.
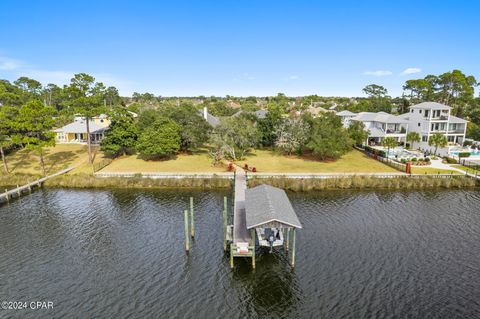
418 124
426 113
424 138
411 111
451 138
420 111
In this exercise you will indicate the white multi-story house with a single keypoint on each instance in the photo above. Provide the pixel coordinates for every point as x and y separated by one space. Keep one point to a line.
346 117
428 118
381 125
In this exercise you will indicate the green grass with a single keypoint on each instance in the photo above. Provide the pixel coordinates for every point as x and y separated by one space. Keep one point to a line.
352 162
429 170
466 169
197 162
57 158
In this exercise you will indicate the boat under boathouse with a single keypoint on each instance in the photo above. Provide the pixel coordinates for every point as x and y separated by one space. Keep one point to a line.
268 218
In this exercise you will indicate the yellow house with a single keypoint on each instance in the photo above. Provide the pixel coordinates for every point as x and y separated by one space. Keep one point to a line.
76 132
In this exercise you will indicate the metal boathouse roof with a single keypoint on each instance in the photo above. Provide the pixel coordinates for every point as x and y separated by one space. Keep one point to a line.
269 206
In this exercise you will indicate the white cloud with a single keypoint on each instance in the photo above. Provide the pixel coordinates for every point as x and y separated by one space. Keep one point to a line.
9 64
411 71
293 77
378 73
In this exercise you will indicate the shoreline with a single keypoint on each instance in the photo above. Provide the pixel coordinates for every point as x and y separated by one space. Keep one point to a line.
292 181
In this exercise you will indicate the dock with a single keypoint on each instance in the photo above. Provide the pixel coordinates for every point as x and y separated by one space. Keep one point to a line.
262 212
6 196
242 244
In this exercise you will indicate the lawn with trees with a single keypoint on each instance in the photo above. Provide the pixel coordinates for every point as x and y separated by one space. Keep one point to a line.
170 134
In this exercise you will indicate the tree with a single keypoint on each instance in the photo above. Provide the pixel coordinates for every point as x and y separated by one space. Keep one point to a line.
7 130
86 97
161 140
413 137
437 140
35 123
194 129
121 137
291 135
329 139
235 137
267 126
378 98
389 142
28 85
356 132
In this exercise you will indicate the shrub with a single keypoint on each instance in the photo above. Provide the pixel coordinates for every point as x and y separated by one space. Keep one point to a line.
427 159
467 143
463 154
450 160
404 161
414 159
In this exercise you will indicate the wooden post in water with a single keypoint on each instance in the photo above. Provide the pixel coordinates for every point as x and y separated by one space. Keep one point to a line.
253 245
18 191
231 256
286 236
293 247
186 231
6 195
192 218
224 223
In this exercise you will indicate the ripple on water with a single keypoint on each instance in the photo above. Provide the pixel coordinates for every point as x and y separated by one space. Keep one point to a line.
120 253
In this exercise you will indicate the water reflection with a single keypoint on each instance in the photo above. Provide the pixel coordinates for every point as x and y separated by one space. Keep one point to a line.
121 253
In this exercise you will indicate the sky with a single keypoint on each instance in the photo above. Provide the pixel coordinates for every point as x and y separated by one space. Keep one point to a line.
240 48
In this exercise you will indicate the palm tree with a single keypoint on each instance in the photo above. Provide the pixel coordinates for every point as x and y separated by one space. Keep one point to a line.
413 137
389 142
437 140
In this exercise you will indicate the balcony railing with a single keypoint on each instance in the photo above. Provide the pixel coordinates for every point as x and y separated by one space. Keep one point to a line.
440 118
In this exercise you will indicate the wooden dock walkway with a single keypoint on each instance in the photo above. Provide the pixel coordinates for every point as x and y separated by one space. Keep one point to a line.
242 244
240 232
18 191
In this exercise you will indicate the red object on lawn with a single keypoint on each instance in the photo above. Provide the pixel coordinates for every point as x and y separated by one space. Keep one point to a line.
254 169
230 167
408 168
246 167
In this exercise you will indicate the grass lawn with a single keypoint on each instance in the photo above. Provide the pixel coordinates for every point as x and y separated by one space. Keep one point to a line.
57 158
198 162
429 170
466 169
352 162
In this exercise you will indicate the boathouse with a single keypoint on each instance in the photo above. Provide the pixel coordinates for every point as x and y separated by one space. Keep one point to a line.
265 217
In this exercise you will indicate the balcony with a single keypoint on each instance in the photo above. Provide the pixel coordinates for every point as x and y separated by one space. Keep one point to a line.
440 118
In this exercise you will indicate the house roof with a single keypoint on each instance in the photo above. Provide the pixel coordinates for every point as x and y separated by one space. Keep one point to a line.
261 114
265 204
375 132
379 117
346 113
430 105
454 119
212 120
79 126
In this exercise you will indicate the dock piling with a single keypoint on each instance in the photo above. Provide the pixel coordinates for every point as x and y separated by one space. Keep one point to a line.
224 223
293 247
18 191
192 218
231 256
186 231
287 237
253 247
